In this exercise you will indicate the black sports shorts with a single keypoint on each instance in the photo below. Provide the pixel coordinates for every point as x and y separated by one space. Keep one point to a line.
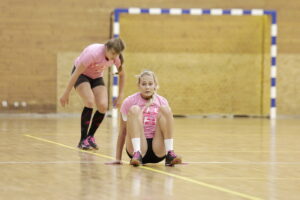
150 156
93 82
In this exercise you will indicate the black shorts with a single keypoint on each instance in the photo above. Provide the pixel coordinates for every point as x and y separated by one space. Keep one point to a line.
83 78
150 156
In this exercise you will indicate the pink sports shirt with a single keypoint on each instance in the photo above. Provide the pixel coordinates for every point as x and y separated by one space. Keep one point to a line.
93 58
149 114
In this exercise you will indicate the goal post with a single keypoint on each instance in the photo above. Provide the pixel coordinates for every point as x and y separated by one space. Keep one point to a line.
118 13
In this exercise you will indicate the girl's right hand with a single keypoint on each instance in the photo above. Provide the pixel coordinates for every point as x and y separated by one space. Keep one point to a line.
64 99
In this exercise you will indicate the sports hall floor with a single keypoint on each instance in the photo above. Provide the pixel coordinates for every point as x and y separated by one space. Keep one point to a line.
224 159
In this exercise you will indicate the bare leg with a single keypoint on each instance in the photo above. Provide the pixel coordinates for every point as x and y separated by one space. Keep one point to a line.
158 139
163 139
85 92
135 129
101 99
167 122
164 130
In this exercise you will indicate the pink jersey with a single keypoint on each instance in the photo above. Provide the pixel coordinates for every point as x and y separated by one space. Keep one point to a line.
93 58
149 113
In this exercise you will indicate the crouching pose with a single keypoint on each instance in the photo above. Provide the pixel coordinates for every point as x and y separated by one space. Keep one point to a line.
146 126
87 79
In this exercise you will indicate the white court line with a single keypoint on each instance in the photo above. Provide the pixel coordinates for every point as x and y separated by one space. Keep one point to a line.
49 162
248 178
187 179
246 163
238 151
192 163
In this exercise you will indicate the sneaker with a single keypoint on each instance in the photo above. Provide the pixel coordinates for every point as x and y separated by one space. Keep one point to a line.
92 142
172 159
84 145
136 159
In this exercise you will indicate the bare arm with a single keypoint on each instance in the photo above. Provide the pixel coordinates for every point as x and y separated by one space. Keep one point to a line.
121 88
121 140
121 73
64 99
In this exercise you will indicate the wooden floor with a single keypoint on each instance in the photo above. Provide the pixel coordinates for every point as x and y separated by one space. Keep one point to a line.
225 159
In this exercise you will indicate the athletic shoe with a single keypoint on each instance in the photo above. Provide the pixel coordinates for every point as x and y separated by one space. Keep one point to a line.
84 145
136 159
92 142
172 159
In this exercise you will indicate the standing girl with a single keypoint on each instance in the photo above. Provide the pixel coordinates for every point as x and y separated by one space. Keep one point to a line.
87 78
146 126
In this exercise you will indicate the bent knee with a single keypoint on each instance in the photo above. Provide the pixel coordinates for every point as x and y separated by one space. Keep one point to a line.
89 103
134 110
165 110
102 107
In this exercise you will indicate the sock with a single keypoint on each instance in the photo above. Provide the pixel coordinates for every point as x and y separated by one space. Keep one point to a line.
85 121
97 119
168 144
136 143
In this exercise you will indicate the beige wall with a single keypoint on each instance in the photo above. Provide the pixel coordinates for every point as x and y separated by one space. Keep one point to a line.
34 33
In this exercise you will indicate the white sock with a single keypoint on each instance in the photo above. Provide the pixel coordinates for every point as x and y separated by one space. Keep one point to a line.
168 144
136 143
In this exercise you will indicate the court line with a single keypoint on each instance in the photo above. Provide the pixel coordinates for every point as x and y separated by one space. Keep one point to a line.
68 147
49 162
203 184
99 162
245 163
238 151
157 171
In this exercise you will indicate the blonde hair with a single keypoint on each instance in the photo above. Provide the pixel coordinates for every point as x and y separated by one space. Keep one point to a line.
149 73
115 44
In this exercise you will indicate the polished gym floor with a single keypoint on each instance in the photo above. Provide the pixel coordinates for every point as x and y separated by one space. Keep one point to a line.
224 159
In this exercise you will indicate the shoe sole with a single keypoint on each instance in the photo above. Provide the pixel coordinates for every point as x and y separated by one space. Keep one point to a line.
135 163
94 147
84 148
176 161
